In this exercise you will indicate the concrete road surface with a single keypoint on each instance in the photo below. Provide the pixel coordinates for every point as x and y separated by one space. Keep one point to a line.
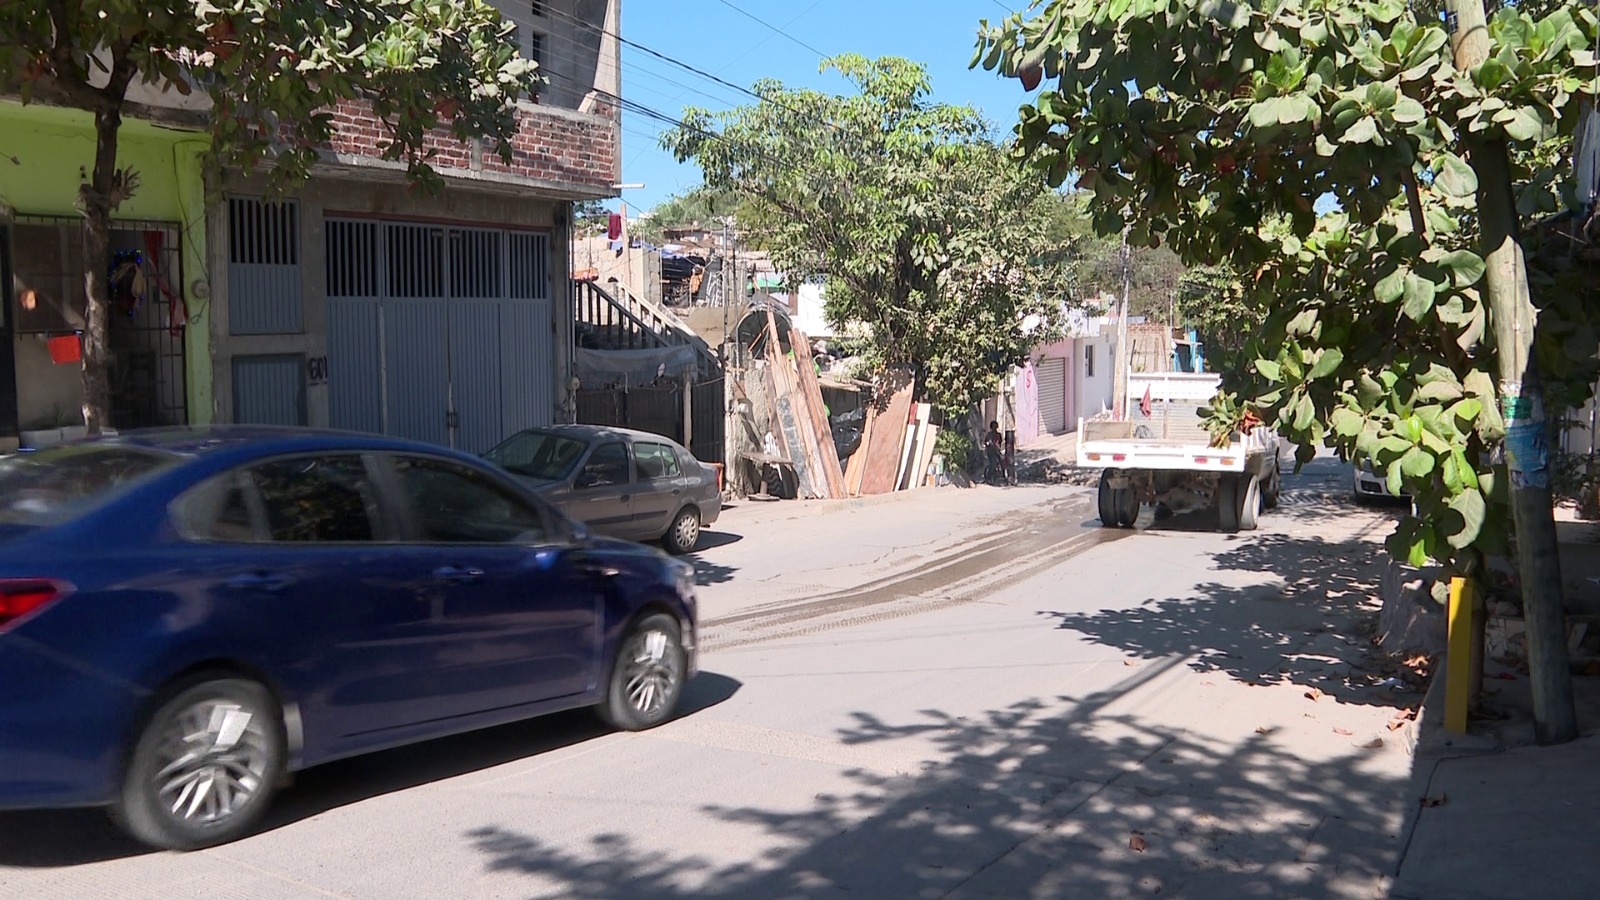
948 693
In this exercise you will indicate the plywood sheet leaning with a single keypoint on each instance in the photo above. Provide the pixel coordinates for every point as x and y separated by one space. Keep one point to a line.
811 397
925 458
857 467
883 453
798 432
916 433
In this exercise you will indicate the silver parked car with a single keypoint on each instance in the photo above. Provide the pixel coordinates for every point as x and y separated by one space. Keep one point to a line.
623 483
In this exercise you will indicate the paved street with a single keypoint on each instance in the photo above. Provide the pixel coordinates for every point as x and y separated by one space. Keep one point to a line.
947 693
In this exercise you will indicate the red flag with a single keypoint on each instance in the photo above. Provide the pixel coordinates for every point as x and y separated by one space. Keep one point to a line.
1144 405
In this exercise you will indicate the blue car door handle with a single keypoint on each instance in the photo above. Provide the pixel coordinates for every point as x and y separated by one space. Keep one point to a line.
258 581
458 574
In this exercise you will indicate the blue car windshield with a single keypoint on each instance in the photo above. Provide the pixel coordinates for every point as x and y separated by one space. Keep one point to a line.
50 486
537 454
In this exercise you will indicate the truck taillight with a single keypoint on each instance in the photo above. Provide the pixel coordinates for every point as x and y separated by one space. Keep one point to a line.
22 596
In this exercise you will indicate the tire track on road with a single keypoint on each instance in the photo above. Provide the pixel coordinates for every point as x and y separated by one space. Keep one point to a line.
1037 542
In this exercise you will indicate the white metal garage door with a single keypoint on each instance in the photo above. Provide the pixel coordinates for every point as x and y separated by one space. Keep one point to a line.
438 334
1052 373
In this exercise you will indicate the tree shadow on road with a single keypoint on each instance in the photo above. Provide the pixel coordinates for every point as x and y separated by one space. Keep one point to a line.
1050 797
1312 628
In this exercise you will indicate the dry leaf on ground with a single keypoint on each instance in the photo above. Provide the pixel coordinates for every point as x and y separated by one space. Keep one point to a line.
1344 731
1373 744
1314 694
1434 801
1136 842
1265 729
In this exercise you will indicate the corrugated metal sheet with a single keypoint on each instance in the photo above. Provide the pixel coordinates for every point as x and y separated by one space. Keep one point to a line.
264 291
417 369
527 363
1052 373
476 373
269 390
476 263
528 267
355 364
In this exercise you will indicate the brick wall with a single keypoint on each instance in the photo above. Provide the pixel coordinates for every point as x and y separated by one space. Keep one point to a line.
547 147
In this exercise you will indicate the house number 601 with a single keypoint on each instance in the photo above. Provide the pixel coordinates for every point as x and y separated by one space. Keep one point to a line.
317 370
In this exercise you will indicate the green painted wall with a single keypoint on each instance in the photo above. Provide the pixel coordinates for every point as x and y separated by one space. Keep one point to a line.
43 153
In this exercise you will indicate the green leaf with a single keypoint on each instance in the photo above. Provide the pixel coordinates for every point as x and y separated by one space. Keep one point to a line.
1391 287
1419 293
1439 392
1264 113
1466 410
1408 111
1347 423
1329 361
1305 412
1455 178
1417 463
1523 125
1269 369
1470 506
1364 131
1465 267
1381 96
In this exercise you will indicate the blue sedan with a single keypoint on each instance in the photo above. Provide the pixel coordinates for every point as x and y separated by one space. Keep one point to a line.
188 615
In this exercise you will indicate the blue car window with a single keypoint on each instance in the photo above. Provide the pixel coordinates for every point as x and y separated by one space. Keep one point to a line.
325 499
453 504
51 486
217 509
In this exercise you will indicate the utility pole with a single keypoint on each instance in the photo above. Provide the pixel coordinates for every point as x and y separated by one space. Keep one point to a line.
1124 355
1514 321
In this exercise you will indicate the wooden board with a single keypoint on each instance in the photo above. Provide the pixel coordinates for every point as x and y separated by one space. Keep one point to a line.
858 460
799 427
883 454
925 459
915 437
811 397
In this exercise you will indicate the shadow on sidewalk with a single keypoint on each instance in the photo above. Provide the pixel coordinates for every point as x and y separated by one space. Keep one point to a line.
1044 798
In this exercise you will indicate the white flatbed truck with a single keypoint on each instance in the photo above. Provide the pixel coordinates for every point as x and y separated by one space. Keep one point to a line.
1159 452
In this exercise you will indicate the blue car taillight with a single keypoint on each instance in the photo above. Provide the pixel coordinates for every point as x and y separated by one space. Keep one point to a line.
21 597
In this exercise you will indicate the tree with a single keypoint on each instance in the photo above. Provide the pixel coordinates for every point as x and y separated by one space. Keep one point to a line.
1383 330
924 229
273 72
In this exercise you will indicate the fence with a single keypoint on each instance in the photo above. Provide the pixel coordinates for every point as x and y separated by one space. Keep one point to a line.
659 410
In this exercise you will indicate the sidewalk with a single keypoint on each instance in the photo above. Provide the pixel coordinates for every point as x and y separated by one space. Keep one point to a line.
1497 818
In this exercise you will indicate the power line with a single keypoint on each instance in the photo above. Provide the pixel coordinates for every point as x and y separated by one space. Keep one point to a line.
776 29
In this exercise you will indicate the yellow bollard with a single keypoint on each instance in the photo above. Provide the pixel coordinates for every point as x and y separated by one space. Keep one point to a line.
1458 657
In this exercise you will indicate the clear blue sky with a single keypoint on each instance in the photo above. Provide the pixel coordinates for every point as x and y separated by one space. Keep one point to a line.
713 36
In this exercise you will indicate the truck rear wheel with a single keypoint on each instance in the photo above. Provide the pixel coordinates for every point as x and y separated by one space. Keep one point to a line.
1228 503
1249 488
1119 507
1107 500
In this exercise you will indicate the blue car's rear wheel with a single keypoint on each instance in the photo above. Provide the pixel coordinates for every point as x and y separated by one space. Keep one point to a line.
648 675
204 767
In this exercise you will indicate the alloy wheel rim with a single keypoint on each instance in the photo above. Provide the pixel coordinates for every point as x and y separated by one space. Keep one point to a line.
651 673
213 762
688 532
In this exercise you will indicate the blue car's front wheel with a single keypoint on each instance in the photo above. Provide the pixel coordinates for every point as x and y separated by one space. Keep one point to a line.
204 767
647 678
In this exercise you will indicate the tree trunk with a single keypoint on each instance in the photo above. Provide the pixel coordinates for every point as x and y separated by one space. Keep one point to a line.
98 199
1527 455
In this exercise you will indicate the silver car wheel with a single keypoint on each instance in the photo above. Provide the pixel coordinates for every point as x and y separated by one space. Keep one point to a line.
650 673
213 758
